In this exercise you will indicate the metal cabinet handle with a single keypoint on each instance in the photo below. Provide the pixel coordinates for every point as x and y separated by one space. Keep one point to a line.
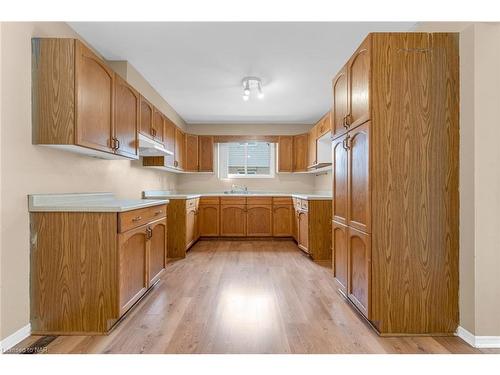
149 233
137 218
158 212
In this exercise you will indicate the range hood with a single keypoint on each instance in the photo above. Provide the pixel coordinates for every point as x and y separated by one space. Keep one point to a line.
149 147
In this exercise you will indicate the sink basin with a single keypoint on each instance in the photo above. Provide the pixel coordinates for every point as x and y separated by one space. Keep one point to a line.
237 192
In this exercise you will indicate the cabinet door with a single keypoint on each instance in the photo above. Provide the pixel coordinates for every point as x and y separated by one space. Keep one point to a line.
191 153
283 220
295 224
359 211
339 256
324 126
339 189
206 153
259 221
303 231
208 216
359 86
179 148
132 275
312 157
190 226
146 118
300 152
340 105
233 220
359 270
94 100
157 250
127 103
158 126
285 153
169 141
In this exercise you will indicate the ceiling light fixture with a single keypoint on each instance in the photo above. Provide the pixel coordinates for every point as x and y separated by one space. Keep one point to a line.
249 84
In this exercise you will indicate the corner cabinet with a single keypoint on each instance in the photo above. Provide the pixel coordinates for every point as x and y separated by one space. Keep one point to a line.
109 272
395 182
73 94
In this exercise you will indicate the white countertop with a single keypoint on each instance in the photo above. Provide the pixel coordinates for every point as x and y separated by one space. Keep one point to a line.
161 194
87 202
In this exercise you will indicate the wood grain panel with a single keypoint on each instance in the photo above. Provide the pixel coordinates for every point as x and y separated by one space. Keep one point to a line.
206 153
339 254
340 178
233 220
157 256
300 144
260 200
53 91
94 82
73 272
359 85
358 205
259 220
415 184
340 105
158 126
126 121
245 138
312 147
191 153
320 230
176 226
133 280
180 145
359 270
169 136
233 200
209 219
136 218
285 153
282 220
146 118
303 231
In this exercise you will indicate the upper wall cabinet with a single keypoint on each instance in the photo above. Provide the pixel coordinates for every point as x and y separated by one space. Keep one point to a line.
285 153
191 151
73 94
205 153
127 102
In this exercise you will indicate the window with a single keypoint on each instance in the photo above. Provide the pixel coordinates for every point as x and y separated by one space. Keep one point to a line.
246 160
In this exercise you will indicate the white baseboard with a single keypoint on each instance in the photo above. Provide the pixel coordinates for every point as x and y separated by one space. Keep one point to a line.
490 342
15 338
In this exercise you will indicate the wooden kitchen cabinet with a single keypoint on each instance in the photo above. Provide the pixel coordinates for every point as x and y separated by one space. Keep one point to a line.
324 126
146 118
73 94
169 141
183 223
359 270
191 153
303 231
392 206
209 217
233 220
259 218
158 126
180 144
300 152
126 119
158 250
133 279
340 105
285 153
98 277
205 153
339 255
283 215
191 225
312 147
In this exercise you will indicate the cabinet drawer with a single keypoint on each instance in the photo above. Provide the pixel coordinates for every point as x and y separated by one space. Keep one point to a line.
209 200
233 200
260 200
304 204
135 218
282 200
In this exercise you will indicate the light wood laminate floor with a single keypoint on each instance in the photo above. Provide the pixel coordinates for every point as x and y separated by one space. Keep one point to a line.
246 297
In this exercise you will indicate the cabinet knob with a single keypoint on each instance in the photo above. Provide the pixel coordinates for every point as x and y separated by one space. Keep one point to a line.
137 218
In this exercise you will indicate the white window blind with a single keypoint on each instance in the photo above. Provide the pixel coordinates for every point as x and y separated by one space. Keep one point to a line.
247 159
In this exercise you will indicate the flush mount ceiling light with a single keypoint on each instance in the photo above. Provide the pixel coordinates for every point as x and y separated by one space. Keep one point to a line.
252 84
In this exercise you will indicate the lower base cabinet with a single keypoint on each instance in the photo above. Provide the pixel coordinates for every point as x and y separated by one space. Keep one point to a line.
208 218
283 220
339 255
259 220
183 223
233 220
89 268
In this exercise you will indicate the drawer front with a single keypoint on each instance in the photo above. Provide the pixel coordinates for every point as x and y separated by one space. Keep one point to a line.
209 200
135 218
304 204
282 200
260 200
233 200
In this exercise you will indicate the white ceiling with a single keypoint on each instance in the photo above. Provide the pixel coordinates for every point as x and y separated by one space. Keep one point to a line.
198 67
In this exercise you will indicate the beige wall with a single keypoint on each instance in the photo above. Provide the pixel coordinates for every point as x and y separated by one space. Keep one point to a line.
27 169
479 174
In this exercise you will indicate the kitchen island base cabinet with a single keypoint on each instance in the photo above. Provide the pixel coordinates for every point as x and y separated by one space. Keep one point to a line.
86 272
183 223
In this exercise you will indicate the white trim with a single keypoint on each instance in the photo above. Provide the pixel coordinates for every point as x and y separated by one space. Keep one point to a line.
15 338
490 342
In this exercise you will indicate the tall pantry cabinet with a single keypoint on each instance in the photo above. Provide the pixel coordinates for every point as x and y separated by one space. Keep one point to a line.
395 181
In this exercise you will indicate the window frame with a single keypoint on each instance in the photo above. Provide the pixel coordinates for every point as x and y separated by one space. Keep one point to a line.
224 174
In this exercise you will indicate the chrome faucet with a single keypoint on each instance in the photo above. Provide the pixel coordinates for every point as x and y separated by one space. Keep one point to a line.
237 188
